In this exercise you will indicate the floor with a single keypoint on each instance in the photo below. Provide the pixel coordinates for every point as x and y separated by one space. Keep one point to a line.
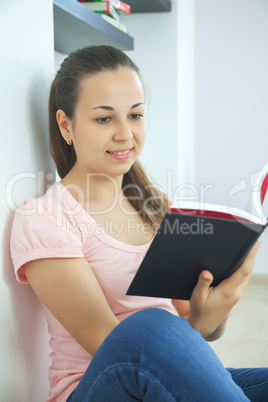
245 342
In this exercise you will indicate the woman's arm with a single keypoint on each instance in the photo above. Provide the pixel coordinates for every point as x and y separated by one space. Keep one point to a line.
70 290
219 331
182 307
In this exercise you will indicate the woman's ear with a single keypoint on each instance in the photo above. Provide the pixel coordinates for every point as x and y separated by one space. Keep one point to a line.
64 124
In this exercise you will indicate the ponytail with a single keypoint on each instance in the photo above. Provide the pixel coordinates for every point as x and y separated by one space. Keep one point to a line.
151 203
63 154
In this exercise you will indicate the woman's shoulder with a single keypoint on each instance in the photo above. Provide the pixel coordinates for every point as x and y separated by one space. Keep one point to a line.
45 217
35 213
50 205
40 230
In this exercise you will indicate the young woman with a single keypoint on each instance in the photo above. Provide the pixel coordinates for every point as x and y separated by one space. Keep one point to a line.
80 245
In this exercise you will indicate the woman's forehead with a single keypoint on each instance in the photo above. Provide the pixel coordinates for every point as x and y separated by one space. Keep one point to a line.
111 85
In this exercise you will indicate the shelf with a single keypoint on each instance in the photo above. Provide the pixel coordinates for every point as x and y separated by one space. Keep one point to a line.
149 6
75 27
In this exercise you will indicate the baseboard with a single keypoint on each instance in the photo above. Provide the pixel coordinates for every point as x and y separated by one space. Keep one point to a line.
259 279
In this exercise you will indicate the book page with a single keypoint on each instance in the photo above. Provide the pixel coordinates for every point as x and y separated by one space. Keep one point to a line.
254 214
259 192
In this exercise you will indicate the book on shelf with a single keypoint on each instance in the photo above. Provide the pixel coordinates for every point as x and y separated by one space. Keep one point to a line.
115 23
191 239
121 6
101 6
105 7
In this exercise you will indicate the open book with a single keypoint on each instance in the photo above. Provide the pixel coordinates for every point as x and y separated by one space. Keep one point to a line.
191 239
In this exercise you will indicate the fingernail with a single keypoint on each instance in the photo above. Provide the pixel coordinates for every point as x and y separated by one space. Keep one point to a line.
207 276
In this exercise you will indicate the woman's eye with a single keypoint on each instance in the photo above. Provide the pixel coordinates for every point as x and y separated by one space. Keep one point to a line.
103 120
135 116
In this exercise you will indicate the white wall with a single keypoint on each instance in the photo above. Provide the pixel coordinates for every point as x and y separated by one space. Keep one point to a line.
26 68
231 99
231 92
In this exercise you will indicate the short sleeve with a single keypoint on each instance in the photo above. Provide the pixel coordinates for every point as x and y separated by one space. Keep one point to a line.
38 232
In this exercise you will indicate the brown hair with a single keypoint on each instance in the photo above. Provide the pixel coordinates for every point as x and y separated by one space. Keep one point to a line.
147 200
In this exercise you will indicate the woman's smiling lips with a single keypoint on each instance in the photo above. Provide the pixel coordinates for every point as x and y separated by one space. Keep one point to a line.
121 154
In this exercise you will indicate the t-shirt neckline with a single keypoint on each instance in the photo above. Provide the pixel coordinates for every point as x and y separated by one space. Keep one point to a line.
100 233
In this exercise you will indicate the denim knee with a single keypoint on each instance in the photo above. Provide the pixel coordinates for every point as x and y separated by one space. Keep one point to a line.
155 355
151 332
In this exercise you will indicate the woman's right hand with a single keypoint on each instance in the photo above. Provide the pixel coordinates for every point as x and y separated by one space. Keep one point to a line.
210 306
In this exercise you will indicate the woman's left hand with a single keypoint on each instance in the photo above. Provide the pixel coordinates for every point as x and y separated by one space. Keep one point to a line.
209 306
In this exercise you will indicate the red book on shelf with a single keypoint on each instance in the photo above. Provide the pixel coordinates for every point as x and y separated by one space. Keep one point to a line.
123 7
99 6
191 239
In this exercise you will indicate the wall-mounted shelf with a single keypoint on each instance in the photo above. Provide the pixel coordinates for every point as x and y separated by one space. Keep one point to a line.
75 27
149 6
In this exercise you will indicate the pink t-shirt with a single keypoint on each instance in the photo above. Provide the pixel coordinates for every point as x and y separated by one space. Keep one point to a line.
57 226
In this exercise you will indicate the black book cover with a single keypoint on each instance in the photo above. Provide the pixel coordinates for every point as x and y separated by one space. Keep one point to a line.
187 244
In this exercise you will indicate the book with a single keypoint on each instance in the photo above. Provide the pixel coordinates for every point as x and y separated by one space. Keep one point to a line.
118 5
191 239
121 6
115 23
105 7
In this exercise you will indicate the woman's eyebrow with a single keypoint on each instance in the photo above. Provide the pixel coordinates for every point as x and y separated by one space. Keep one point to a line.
111 108
103 107
136 105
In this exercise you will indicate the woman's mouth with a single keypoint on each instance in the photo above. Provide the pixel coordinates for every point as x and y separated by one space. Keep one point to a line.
121 154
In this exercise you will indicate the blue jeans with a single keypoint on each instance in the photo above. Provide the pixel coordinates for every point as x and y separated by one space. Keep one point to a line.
155 356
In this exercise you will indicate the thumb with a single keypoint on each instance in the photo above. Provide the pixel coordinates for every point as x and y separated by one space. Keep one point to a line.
204 281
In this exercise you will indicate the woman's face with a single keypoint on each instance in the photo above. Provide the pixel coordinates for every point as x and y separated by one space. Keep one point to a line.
108 130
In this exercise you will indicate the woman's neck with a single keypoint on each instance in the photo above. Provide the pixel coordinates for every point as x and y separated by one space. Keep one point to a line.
94 189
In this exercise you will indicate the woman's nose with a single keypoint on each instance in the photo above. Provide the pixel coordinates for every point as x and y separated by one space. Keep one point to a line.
123 132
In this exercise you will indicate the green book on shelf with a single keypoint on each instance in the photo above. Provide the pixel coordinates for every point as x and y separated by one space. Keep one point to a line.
115 23
105 7
117 4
